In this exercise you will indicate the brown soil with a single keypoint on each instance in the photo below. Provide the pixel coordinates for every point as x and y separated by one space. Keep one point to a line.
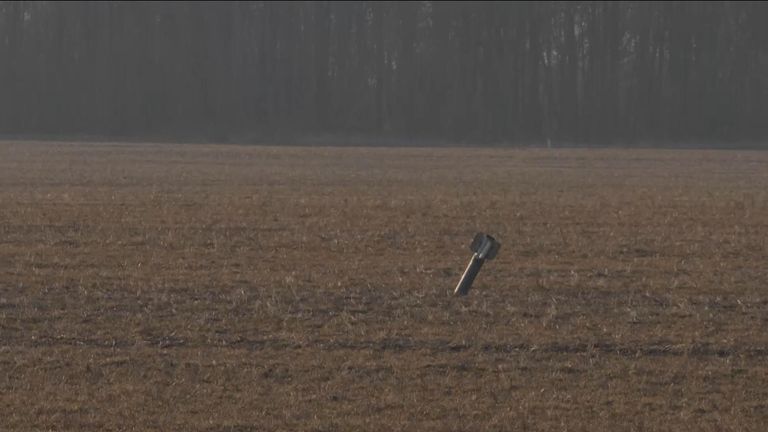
226 288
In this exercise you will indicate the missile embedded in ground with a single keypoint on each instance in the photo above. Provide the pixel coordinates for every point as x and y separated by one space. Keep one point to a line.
483 247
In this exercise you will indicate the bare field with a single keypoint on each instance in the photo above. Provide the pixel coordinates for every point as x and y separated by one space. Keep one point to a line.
229 288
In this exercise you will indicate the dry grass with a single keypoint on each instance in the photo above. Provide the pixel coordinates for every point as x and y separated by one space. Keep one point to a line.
226 288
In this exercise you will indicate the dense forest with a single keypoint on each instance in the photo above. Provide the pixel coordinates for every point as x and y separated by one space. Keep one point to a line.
572 72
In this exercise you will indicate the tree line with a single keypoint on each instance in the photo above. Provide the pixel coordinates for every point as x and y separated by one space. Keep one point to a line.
593 72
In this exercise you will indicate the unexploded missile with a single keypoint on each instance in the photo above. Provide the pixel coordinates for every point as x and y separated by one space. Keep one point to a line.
484 247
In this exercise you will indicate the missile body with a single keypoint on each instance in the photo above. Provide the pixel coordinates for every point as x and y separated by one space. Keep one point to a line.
484 247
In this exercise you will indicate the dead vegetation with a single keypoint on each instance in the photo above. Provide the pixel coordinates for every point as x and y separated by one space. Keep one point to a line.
226 288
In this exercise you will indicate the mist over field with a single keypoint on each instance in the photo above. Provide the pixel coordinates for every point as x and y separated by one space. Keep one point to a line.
643 73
